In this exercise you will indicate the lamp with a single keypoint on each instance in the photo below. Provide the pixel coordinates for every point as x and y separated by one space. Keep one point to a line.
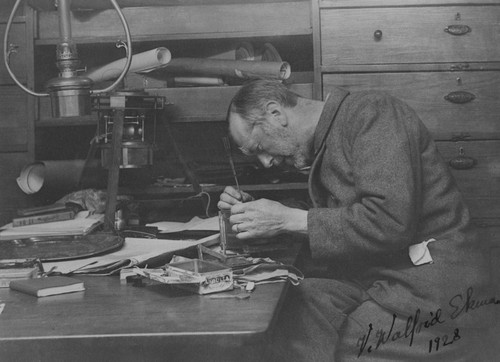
69 92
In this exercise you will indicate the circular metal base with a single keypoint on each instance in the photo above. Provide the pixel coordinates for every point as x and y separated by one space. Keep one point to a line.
61 247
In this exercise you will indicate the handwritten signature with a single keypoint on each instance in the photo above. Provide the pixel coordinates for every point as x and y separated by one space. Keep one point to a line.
460 304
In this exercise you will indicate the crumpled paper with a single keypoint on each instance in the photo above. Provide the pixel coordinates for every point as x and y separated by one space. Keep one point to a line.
420 254
89 199
265 272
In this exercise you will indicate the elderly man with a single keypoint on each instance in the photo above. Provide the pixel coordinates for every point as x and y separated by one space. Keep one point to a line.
387 218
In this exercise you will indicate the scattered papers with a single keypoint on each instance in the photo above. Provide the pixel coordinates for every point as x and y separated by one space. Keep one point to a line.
82 224
135 251
195 275
195 223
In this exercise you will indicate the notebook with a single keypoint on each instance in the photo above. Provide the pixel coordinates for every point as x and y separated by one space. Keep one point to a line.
42 287
82 224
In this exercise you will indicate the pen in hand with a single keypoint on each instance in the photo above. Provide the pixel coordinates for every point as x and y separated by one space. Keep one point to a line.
227 148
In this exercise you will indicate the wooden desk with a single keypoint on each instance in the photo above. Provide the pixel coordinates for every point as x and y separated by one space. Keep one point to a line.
110 321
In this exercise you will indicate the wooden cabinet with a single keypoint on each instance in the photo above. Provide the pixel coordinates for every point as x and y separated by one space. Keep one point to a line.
16 110
442 58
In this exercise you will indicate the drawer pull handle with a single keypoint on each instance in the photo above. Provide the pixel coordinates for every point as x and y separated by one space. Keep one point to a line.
460 97
377 34
462 162
457 29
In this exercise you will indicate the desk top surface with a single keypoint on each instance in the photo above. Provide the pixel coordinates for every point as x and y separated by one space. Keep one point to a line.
109 309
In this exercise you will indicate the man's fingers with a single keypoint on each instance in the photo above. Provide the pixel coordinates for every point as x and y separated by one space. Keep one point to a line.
229 199
231 191
224 205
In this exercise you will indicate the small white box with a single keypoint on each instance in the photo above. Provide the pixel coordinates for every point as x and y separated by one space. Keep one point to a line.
213 277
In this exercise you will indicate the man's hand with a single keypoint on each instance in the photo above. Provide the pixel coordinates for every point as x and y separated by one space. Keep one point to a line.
231 197
265 218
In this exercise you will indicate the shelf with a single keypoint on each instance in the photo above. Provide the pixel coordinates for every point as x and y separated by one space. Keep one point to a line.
411 67
167 191
210 105
86 5
182 22
398 3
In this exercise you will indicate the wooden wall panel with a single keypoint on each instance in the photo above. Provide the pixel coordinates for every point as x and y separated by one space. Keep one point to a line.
11 196
14 119
202 21
18 59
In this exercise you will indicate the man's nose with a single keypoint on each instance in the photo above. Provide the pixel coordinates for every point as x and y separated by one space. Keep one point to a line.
265 159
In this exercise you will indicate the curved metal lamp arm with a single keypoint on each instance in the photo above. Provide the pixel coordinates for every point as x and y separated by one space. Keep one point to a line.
128 49
7 51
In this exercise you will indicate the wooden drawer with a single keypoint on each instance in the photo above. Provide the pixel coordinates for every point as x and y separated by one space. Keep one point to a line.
17 36
409 35
481 183
13 119
426 92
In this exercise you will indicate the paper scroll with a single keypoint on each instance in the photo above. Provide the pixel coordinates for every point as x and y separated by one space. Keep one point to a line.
199 81
246 51
226 67
141 63
60 175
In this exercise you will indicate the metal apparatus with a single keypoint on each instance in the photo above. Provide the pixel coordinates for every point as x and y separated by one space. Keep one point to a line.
138 138
69 92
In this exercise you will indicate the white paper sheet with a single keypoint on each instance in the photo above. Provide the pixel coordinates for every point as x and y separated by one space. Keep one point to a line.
133 252
196 223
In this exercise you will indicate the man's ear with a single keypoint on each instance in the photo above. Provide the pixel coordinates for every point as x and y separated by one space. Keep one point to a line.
275 110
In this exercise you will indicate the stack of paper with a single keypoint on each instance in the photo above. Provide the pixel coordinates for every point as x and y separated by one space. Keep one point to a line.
82 224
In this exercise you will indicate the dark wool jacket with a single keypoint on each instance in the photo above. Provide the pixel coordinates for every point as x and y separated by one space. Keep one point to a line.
379 185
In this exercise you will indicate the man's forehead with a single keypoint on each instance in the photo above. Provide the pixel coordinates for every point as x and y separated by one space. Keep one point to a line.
239 128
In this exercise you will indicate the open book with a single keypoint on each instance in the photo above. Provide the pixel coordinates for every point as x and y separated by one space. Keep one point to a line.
135 252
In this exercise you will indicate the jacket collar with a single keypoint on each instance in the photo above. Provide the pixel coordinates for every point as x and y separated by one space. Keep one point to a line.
330 109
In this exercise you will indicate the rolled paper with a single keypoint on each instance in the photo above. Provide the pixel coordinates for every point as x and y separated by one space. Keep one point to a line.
226 67
141 63
199 81
246 51
53 174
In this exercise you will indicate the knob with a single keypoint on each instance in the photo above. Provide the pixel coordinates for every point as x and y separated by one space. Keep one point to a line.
377 34
462 162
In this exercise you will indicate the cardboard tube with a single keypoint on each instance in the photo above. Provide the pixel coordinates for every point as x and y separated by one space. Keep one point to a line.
141 63
56 175
226 67
202 81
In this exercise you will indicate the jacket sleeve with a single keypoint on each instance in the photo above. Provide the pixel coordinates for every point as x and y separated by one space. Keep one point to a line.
382 153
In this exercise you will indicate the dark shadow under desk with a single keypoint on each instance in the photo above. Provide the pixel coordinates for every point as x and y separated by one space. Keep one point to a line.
114 322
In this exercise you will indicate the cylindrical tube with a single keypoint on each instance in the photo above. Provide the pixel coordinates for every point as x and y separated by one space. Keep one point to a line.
227 67
200 81
64 19
61 175
142 62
